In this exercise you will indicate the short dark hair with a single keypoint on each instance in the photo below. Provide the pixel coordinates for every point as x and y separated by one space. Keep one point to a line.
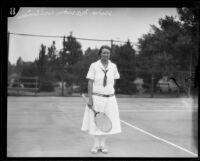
104 47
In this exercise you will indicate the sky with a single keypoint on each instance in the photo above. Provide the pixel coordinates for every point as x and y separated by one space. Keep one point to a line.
92 23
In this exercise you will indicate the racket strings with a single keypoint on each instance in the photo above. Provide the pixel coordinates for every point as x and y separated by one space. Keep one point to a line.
103 122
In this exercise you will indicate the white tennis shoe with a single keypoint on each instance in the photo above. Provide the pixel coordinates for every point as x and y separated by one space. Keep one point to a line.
104 149
95 149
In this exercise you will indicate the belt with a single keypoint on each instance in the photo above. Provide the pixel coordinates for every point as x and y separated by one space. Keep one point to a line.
103 95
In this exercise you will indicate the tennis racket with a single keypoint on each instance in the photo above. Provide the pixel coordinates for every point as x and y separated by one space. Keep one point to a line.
101 120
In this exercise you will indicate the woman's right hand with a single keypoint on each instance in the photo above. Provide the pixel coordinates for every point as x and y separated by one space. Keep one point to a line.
90 103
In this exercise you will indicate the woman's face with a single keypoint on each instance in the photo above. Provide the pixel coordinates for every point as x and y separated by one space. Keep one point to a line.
105 54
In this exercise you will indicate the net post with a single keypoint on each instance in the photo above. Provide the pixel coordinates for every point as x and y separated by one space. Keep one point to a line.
111 41
36 79
152 85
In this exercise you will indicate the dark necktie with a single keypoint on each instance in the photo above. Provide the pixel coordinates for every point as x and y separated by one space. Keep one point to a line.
105 77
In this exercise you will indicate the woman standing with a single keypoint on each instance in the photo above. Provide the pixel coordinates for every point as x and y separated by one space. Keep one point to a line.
102 75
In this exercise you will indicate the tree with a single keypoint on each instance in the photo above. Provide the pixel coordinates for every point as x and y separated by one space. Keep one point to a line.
162 51
169 47
51 55
29 69
177 42
52 63
69 56
10 68
44 76
19 65
41 62
168 42
124 57
81 67
72 52
189 17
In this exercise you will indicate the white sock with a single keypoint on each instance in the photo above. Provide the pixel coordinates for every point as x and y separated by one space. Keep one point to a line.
96 141
103 140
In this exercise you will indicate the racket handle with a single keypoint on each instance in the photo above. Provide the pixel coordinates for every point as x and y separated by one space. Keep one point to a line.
87 104
84 97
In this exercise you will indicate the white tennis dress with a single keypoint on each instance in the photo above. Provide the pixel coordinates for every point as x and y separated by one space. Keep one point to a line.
103 104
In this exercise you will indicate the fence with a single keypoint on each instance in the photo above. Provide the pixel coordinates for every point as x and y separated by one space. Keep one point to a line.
141 84
173 84
24 84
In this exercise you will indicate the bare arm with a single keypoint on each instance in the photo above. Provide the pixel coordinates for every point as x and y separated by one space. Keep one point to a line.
114 82
90 89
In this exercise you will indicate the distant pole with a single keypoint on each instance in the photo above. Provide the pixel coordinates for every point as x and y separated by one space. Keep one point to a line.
152 85
62 77
8 42
36 84
111 44
190 76
62 85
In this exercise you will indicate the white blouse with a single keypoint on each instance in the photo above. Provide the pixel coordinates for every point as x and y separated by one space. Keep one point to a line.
96 73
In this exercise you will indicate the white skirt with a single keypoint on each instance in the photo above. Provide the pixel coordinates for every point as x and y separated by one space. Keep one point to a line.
107 105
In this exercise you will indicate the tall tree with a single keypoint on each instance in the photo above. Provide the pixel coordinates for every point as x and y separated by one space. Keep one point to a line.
168 44
52 62
44 76
51 55
19 65
124 57
69 56
10 66
41 62
190 19
82 66
168 48
72 52
29 69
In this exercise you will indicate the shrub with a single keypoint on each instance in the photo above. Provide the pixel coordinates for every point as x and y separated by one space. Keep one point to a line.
46 86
